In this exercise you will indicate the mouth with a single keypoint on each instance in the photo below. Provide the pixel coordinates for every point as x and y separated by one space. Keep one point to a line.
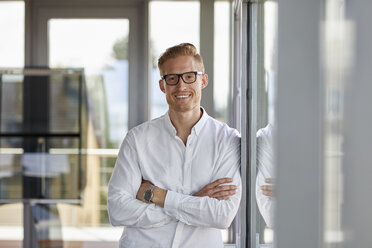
182 96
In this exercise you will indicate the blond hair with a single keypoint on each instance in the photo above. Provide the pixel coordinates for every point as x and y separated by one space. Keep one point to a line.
183 49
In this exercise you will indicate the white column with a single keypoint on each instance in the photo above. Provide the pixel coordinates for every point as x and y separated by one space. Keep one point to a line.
299 115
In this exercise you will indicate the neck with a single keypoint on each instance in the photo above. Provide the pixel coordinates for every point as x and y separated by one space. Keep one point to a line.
184 121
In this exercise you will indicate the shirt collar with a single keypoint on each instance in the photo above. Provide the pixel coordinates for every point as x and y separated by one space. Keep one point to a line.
196 128
168 124
200 124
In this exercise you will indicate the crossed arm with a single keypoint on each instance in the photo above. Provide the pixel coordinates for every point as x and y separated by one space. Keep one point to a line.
215 190
214 205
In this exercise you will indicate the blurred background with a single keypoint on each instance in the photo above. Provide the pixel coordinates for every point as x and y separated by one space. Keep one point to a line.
292 76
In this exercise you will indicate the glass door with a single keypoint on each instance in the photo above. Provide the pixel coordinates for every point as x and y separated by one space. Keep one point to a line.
100 47
108 45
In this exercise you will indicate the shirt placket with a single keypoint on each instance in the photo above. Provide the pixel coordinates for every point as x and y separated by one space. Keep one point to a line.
187 165
186 186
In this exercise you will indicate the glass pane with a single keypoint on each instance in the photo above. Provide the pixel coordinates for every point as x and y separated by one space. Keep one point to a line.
11 225
12 26
222 60
11 104
266 124
11 168
58 95
39 173
36 105
184 27
100 46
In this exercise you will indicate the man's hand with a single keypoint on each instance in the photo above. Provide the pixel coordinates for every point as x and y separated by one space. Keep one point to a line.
268 190
218 191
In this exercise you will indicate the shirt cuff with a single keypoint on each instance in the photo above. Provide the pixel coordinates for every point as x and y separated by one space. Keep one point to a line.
172 203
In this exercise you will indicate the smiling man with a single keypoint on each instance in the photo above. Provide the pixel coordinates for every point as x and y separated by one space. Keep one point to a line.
176 181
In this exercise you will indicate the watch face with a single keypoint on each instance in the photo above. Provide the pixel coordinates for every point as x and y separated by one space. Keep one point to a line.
148 194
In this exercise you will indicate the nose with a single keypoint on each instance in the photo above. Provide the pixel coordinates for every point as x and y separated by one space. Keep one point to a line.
181 84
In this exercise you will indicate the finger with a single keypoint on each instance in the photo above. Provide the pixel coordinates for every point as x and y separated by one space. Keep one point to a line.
220 181
267 187
224 193
223 188
269 180
213 191
267 193
267 190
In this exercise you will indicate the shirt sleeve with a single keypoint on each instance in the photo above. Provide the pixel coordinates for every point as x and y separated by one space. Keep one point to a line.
205 211
123 207
265 203
265 167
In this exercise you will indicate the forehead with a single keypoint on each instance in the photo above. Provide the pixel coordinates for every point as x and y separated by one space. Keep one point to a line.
180 64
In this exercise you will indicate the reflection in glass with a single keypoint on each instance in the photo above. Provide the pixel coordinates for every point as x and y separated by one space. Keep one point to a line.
338 60
266 125
23 98
11 168
40 110
46 226
31 130
11 103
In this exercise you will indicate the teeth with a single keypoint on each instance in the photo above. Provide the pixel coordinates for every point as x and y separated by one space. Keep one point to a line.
182 96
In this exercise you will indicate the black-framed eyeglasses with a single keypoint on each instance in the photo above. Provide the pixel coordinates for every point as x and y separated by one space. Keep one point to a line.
188 77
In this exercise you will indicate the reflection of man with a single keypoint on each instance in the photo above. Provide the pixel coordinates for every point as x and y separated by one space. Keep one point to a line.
265 174
176 180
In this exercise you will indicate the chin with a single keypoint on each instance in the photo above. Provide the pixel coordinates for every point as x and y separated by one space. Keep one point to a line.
185 108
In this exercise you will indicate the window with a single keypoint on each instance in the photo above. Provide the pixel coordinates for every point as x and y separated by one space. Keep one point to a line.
222 60
171 23
100 46
12 19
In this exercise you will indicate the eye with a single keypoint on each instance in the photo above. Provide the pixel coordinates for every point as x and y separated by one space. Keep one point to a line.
171 77
189 76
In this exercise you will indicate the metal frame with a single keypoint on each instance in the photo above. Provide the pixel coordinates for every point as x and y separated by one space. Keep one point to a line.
245 124
253 62
207 50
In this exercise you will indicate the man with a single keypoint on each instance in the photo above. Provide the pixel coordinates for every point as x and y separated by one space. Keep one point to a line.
176 181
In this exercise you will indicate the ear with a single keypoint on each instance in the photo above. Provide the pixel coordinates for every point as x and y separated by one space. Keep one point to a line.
204 81
161 85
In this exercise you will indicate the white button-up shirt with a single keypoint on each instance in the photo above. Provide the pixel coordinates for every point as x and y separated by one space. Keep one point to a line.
154 152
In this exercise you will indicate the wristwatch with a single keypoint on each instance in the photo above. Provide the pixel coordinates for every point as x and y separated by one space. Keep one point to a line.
147 196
